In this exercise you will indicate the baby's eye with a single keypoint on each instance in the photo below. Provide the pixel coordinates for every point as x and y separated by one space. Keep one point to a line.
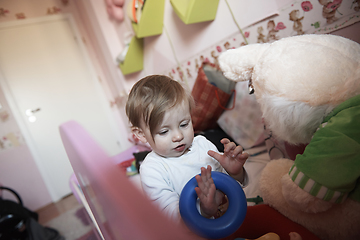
185 124
163 132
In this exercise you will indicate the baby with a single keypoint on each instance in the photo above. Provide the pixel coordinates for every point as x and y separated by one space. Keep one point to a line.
159 110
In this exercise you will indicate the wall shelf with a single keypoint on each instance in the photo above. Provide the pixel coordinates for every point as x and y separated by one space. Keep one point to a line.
151 21
194 11
134 59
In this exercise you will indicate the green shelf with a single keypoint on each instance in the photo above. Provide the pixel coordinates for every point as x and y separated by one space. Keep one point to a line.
194 11
151 21
134 59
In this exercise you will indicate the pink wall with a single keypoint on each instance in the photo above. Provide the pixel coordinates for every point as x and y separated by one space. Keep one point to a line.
18 169
19 172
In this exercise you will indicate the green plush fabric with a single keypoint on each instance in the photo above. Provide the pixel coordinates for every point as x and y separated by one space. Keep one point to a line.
329 168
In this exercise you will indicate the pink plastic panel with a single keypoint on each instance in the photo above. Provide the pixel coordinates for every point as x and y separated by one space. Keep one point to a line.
120 209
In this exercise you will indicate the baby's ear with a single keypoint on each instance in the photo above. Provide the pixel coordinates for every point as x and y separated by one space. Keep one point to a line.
139 133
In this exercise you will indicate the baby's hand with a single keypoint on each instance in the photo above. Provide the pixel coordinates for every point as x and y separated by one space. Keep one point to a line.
210 198
232 160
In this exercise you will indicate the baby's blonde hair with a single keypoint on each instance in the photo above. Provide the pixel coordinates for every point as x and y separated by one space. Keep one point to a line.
151 97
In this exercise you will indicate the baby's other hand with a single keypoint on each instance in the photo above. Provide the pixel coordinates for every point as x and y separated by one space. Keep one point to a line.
232 160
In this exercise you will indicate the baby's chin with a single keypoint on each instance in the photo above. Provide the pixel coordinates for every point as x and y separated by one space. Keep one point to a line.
175 153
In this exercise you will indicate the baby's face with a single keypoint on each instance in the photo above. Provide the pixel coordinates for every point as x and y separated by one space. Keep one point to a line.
174 136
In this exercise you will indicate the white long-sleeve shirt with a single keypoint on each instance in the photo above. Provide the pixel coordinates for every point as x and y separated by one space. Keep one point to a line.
164 178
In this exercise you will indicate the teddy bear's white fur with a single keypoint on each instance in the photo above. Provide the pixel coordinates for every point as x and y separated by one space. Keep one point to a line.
298 81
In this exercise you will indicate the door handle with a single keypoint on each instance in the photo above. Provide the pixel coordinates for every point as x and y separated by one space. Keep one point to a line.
30 113
35 110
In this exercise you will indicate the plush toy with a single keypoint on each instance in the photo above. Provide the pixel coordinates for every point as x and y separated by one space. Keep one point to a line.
115 9
308 88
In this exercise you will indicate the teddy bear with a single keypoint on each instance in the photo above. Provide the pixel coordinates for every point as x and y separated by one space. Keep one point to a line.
261 36
294 16
271 36
308 89
329 9
357 7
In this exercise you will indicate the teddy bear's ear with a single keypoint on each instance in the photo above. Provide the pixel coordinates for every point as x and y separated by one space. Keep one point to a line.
238 64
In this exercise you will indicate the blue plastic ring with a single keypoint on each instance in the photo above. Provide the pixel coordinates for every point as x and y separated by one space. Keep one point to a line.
220 227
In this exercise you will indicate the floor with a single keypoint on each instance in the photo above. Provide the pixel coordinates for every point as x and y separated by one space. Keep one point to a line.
69 218
54 210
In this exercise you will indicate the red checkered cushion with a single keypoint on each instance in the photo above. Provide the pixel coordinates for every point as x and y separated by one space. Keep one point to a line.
208 107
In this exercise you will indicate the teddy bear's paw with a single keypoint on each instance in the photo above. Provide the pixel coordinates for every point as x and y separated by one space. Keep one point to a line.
270 185
300 199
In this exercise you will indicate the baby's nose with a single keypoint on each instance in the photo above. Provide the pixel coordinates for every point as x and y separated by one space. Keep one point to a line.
178 136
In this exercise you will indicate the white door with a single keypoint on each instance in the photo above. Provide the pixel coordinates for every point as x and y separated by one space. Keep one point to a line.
48 80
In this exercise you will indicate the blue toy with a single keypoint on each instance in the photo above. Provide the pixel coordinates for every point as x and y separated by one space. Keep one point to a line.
220 227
